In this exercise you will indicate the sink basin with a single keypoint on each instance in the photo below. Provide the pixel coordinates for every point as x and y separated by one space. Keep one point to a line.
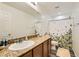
22 45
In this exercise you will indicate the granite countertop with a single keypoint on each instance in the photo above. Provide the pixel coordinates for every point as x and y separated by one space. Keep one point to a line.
8 53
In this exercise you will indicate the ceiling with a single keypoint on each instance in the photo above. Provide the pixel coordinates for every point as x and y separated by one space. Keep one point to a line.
47 10
23 7
53 9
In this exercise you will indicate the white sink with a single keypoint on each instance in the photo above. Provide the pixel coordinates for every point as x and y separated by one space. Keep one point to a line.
22 45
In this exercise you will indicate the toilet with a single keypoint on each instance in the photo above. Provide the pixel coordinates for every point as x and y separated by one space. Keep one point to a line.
53 45
62 52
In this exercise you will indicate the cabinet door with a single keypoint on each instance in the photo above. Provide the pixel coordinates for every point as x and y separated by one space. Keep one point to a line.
49 47
28 54
37 51
45 48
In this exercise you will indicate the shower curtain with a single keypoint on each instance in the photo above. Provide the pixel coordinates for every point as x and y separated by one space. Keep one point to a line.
61 31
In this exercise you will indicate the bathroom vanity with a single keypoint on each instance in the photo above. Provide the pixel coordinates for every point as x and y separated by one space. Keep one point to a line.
41 48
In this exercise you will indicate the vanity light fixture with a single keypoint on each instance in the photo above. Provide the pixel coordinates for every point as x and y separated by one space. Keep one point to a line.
33 5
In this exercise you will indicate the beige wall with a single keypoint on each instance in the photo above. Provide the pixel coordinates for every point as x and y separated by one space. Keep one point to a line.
75 36
15 21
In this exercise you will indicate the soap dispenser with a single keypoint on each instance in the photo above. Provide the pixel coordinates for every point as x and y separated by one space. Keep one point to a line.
1 43
4 42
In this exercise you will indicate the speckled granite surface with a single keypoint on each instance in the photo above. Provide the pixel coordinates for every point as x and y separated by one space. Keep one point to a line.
8 53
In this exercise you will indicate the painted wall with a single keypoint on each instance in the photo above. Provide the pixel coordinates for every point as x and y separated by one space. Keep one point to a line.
15 21
75 36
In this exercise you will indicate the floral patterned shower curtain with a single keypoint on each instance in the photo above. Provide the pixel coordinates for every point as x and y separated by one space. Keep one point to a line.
61 31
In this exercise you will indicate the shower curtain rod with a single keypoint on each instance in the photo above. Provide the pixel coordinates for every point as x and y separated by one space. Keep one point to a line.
68 18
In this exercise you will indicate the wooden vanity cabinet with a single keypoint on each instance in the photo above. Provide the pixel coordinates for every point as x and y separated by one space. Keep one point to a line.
49 47
37 51
42 50
45 49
